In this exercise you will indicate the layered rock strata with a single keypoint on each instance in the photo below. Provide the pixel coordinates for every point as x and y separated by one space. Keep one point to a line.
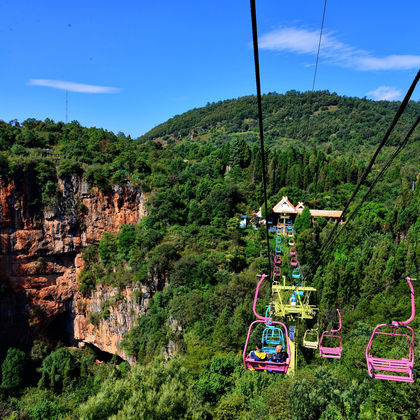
40 259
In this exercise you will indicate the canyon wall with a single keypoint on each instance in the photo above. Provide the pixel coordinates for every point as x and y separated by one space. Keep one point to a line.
40 260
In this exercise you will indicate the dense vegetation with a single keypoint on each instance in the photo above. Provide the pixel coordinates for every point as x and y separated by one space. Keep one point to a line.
201 170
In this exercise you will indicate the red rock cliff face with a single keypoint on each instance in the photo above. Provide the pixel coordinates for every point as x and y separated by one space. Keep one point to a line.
40 260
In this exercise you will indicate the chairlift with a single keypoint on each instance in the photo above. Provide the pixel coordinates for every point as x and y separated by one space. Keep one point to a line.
290 301
277 271
311 339
331 352
267 365
296 274
294 261
292 251
291 242
272 336
387 368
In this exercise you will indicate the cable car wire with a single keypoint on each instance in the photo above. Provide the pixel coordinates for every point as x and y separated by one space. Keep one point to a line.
316 69
260 118
319 45
386 166
331 312
384 140
397 116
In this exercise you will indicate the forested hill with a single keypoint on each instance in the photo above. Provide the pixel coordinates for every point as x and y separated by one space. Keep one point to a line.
339 120
200 172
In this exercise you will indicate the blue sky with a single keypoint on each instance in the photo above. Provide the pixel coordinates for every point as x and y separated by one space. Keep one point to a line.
130 65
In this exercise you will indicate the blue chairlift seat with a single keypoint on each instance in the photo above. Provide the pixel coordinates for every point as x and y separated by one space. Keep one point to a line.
271 337
296 274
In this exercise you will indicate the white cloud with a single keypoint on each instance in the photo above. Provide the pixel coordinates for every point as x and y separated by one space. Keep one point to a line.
303 41
72 87
386 93
390 62
290 39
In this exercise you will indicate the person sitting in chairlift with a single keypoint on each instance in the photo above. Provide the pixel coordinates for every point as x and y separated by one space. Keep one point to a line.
257 354
279 356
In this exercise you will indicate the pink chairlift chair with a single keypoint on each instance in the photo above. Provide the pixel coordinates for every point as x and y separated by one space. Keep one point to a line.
277 260
263 364
401 370
331 352
277 271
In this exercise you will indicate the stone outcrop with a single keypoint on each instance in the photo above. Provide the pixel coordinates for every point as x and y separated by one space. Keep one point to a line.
116 313
40 260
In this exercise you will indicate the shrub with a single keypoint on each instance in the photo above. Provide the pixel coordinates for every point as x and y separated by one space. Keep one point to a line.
13 370
58 370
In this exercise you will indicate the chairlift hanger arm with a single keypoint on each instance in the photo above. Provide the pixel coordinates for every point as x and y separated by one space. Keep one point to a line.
254 306
413 306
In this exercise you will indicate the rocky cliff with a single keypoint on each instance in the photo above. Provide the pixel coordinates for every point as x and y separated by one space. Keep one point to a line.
40 259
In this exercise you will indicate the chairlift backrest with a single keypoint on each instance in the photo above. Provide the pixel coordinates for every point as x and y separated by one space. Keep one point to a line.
271 337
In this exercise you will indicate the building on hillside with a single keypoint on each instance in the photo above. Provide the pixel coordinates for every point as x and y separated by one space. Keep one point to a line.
284 211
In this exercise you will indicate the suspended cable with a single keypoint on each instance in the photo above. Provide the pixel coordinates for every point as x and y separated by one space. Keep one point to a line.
397 116
260 118
316 69
319 45
384 140
386 166
331 312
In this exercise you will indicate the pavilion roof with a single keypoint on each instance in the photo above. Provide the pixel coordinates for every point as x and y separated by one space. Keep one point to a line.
300 207
284 206
326 213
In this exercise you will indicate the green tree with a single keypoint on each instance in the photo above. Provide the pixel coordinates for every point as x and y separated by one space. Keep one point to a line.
303 221
13 370
216 378
50 410
59 370
232 407
239 153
